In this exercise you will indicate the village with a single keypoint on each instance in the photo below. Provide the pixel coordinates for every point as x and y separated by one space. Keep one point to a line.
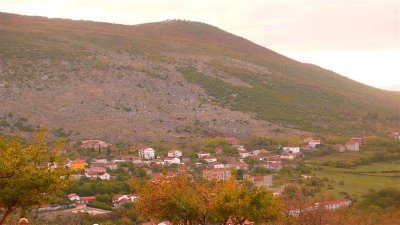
258 166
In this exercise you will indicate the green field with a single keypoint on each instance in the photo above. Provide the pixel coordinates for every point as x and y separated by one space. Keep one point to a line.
355 181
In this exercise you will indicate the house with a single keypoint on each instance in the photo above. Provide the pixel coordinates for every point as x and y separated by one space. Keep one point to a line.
166 222
291 149
202 154
86 199
120 199
157 162
272 165
396 135
339 148
147 152
97 172
313 143
94 144
287 155
306 140
352 145
169 160
236 165
360 140
73 197
217 174
210 159
174 153
77 164
111 166
256 152
137 160
98 164
100 160
260 181
216 165
244 154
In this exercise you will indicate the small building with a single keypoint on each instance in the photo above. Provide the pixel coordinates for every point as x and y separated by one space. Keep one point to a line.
216 165
352 145
291 149
86 199
210 159
244 154
170 161
202 154
157 162
147 153
256 152
260 181
313 143
97 173
119 199
217 174
272 165
360 140
174 153
73 197
287 155
77 164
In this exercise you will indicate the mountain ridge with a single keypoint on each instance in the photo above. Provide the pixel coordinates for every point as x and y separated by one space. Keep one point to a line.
121 71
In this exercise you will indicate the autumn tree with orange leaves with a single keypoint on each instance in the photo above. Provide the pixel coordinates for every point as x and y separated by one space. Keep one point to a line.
181 200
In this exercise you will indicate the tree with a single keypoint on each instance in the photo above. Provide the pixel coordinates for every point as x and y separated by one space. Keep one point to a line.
29 173
239 203
184 201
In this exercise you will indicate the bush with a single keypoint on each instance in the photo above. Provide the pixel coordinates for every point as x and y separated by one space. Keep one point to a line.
100 205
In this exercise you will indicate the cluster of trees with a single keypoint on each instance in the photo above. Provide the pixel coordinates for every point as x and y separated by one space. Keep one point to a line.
30 174
182 200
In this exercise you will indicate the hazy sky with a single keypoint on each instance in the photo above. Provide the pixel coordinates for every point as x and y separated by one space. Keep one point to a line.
356 38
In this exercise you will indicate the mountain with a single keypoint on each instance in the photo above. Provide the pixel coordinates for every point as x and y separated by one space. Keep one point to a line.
170 80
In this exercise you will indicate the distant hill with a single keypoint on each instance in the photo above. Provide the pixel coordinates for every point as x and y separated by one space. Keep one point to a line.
395 87
172 79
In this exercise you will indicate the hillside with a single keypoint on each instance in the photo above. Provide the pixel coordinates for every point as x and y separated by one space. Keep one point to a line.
171 79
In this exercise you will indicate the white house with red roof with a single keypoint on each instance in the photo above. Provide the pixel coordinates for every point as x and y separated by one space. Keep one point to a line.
147 152
174 153
170 160
313 143
244 154
97 172
120 199
86 199
360 140
73 197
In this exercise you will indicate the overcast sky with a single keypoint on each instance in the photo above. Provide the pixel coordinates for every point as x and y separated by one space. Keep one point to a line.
356 38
